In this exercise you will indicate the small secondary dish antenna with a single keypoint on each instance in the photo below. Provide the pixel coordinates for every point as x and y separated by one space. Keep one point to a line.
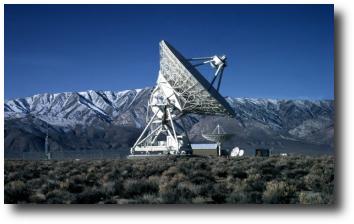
241 152
218 135
180 90
237 152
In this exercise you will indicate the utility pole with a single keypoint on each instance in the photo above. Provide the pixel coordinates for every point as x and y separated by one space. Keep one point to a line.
46 145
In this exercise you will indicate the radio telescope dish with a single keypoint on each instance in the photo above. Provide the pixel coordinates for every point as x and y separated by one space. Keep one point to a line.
241 152
235 152
180 90
218 135
195 93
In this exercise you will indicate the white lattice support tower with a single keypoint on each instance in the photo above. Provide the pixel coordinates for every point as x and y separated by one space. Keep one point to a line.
161 123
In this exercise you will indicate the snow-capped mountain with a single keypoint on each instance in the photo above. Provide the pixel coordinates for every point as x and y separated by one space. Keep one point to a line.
114 119
72 108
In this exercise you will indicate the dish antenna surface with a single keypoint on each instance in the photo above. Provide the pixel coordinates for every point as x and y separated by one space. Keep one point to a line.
180 90
218 135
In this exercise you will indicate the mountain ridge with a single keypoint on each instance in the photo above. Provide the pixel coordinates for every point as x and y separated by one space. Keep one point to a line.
94 119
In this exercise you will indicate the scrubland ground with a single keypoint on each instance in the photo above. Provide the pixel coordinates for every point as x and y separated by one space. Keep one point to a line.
248 180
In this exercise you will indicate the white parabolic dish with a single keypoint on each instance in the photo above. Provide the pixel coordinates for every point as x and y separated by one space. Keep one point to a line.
195 94
180 90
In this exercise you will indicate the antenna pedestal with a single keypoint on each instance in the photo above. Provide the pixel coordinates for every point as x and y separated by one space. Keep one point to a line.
160 135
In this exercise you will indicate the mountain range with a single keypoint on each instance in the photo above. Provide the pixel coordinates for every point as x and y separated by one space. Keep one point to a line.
112 120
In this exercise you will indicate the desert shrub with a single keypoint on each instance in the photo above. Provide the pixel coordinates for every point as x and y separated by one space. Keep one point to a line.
255 197
170 171
219 193
111 200
171 179
252 171
134 187
36 183
184 167
239 174
59 197
255 182
205 190
296 173
49 185
13 176
200 177
201 200
182 192
247 190
91 179
281 163
16 192
328 197
278 193
90 196
187 190
74 172
169 196
37 198
237 198
109 188
220 172
314 182
76 184
32 170
156 168
168 181
154 179
201 164
148 199
111 176
113 188
168 186
309 197
269 170
291 164
126 171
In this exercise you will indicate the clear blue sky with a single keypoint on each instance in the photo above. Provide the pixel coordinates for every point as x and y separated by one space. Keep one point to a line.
274 51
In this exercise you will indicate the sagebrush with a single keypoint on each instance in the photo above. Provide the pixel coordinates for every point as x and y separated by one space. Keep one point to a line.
170 179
